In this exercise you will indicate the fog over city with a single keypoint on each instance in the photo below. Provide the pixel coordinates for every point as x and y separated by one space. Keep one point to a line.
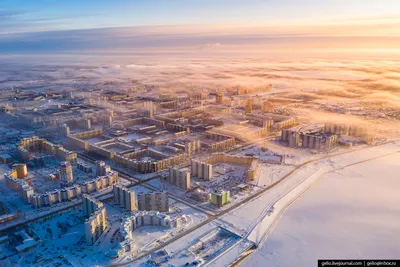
199 133
326 71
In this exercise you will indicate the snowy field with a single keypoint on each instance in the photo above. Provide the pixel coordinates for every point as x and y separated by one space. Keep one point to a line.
147 238
179 247
60 239
351 212
63 235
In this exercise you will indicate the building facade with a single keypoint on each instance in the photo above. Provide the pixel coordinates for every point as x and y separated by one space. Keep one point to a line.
157 201
21 169
75 191
27 145
201 170
219 98
90 205
102 168
179 177
220 199
25 192
144 218
124 197
65 174
95 226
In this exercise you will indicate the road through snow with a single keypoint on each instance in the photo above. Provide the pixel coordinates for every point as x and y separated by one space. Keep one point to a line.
352 209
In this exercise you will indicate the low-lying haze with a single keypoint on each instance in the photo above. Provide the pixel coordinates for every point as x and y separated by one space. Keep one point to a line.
346 75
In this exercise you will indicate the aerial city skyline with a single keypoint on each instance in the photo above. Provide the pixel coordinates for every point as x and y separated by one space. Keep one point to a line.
199 133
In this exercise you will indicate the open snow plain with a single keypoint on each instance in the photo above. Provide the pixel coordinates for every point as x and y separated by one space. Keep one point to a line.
351 211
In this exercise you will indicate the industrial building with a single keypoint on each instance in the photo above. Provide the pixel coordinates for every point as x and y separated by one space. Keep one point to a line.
244 130
124 197
157 201
28 243
179 177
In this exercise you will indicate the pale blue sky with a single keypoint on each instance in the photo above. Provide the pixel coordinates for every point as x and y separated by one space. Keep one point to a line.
45 15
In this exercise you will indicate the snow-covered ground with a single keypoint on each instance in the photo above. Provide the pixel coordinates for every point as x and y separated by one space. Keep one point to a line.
146 238
255 220
341 207
351 212
63 234
271 173
246 217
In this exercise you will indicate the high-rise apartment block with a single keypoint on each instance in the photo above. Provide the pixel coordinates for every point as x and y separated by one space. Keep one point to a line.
124 197
108 120
150 109
87 124
201 170
248 109
219 98
192 147
157 201
22 171
90 205
25 192
102 168
95 225
65 174
179 177
64 130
